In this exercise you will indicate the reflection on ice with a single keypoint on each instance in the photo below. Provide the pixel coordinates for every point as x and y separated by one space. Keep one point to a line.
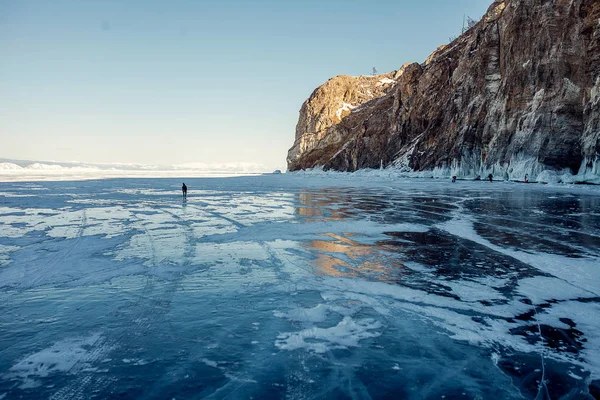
277 286
342 256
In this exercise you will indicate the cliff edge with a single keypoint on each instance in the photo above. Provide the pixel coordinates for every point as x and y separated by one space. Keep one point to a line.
517 93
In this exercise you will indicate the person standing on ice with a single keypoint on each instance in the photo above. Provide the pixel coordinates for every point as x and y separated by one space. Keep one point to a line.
184 190
490 177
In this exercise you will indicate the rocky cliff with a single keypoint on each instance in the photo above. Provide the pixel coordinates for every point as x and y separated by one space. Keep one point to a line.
517 93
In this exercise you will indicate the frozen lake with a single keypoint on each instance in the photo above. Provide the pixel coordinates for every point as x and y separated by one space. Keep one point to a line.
299 287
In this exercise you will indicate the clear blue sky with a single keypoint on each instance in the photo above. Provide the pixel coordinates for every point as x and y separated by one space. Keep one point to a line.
168 82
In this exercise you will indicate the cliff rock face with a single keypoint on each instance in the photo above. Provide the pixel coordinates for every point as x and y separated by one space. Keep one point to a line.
332 102
517 93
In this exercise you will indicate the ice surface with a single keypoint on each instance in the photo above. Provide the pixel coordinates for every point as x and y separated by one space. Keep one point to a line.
308 285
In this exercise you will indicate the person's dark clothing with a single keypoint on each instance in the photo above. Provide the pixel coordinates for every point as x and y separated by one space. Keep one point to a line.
490 177
184 190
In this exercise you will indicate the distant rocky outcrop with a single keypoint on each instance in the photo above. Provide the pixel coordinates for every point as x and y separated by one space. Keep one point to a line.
517 93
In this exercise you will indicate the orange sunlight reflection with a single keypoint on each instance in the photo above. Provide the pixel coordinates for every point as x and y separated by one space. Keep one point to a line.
372 262
321 206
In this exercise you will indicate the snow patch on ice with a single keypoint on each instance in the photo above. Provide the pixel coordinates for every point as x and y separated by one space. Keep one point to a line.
315 314
585 315
492 328
320 340
5 254
495 358
471 291
210 363
574 376
230 253
583 273
67 356
541 289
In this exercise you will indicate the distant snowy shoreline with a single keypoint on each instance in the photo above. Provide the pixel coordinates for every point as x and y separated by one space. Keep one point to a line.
18 171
